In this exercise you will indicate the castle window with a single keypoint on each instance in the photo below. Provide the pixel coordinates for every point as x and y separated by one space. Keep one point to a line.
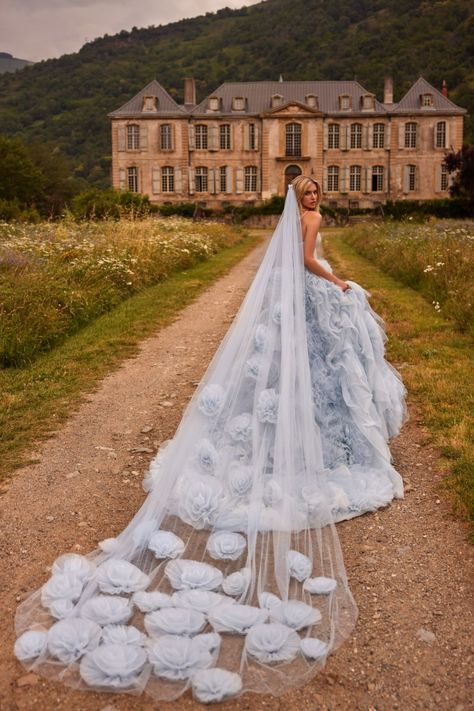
213 103
444 178
133 137
167 179
378 140
410 178
410 134
367 102
427 100
377 178
344 102
150 103
238 103
441 134
334 131
356 135
201 137
166 143
354 178
333 178
293 139
250 174
277 100
223 179
311 100
201 179
224 137
132 180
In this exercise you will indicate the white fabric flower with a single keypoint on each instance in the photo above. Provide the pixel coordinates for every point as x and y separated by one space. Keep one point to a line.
314 648
320 586
272 493
178 657
166 544
276 313
123 634
150 601
226 545
211 400
116 576
207 456
295 614
215 685
200 501
253 366
30 645
210 641
239 428
113 666
193 575
235 618
62 586
61 608
68 640
237 583
107 610
261 337
299 565
267 406
201 600
240 478
74 564
268 600
174 620
272 642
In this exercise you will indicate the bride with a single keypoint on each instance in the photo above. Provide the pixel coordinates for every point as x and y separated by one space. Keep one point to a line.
230 577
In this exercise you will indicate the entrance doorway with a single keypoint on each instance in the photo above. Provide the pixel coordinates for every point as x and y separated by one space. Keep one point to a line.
291 172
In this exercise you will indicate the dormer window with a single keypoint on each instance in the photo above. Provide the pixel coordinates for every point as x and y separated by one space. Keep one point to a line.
345 102
277 100
367 102
213 103
238 103
150 103
426 100
311 101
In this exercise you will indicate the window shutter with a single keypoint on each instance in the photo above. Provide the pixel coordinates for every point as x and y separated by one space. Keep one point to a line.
325 179
246 128
365 138
344 179
385 180
213 137
401 135
256 136
406 179
388 136
231 139
191 141
121 178
155 180
344 133
239 180
435 131
212 180
446 142
417 178
259 181
121 138
228 179
366 186
325 137
172 136
192 182
143 138
370 137
178 180
438 179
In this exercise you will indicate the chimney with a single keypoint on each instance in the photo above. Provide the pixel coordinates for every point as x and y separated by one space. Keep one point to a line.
444 88
189 92
388 91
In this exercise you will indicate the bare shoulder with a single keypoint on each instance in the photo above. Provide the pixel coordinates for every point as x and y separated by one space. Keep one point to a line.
312 218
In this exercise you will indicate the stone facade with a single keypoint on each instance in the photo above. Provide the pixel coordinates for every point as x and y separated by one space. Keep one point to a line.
246 141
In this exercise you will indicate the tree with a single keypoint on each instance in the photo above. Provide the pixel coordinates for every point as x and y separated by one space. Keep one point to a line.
20 177
461 164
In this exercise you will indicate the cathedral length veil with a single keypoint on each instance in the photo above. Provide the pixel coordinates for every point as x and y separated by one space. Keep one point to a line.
230 577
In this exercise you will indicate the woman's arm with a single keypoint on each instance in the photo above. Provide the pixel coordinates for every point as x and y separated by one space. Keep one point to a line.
311 224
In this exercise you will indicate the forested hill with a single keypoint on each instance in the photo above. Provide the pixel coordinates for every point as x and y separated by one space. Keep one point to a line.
65 101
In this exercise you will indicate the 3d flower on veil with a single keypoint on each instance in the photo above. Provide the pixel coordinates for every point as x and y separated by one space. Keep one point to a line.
211 400
267 406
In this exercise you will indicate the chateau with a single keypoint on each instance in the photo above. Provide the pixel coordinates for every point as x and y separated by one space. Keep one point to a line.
246 141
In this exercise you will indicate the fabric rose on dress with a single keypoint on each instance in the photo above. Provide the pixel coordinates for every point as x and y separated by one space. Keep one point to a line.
30 645
261 338
116 576
239 428
166 544
107 610
150 601
295 614
200 502
267 406
253 366
240 478
123 634
201 600
236 618
68 640
211 400
215 685
193 575
174 620
299 565
74 564
178 658
276 313
268 600
207 456
114 666
320 586
314 648
272 642
238 582
226 545
61 586
210 641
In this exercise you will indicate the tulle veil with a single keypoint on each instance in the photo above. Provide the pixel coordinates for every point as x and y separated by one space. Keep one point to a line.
230 577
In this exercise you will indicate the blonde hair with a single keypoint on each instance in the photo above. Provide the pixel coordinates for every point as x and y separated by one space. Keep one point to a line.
301 185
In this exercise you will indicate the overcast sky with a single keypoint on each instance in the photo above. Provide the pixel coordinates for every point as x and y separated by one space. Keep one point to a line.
40 29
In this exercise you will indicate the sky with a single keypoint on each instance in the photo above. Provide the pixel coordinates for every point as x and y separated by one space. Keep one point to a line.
41 29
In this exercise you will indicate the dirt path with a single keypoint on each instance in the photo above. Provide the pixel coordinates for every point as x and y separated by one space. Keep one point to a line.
409 565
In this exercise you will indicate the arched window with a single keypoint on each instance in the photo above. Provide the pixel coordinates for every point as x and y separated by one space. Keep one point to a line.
410 134
166 143
293 139
354 178
334 132
133 136
201 136
356 135
377 178
378 140
333 178
167 179
250 179
201 179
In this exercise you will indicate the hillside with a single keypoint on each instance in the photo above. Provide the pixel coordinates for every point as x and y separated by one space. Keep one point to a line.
65 101
9 63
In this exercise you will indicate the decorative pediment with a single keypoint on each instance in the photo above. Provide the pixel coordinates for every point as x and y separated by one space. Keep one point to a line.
293 108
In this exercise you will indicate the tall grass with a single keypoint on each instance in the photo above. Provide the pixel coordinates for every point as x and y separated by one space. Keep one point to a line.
55 278
437 261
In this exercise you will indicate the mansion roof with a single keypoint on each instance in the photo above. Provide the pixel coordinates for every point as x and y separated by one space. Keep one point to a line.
267 97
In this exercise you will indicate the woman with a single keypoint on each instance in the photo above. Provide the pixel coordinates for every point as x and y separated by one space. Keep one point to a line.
230 577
